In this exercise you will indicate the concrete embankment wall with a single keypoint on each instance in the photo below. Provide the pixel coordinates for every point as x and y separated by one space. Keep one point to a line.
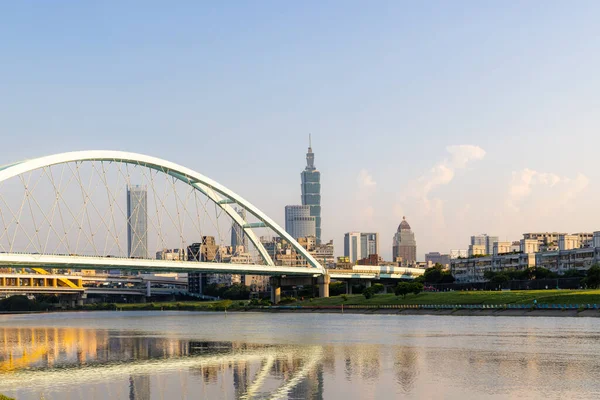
459 312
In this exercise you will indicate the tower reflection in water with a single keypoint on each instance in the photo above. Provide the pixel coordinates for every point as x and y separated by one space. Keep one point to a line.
68 360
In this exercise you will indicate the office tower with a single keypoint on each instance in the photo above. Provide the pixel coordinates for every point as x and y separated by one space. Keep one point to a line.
311 189
369 243
299 222
404 245
238 236
359 245
486 241
352 246
137 221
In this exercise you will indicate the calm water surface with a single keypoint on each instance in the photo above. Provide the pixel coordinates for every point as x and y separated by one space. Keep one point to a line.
180 355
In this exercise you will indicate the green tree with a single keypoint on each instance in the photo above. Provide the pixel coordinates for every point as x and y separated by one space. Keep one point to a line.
433 274
403 288
378 288
446 277
368 292
237 292
416 288
489 275
337 288
574 273
17 303
592 279
499 279
543 273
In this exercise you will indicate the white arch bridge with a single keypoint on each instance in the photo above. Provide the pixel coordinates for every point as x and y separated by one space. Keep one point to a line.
118 210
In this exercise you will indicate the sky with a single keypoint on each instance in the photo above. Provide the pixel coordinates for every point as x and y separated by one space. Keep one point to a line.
466 117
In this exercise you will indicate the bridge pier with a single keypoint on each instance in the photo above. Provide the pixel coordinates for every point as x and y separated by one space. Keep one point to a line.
367 283
348 287
275 283
323 284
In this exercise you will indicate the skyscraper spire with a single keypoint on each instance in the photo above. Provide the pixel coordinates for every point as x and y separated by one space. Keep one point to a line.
310 156
311 188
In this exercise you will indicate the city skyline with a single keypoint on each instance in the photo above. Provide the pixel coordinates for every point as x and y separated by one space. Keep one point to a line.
477 146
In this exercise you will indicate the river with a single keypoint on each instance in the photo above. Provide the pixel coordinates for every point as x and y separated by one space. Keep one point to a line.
190 355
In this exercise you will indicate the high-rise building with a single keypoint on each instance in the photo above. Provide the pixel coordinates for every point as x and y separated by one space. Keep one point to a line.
486 241
405 245
238 236
299 222
352 246
137 221
369 243
358 245
311 190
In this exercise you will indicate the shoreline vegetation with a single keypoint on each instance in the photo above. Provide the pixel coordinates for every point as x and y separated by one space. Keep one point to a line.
553 302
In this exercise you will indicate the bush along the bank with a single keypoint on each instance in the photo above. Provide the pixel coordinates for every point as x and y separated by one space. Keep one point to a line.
259 302
404 288
22 303
288 300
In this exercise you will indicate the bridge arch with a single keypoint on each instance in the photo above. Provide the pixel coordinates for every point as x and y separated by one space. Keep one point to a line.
217 193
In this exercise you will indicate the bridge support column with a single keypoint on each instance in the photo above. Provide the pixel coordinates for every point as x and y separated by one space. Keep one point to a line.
348 287
323 283
148 289
368 283
275 283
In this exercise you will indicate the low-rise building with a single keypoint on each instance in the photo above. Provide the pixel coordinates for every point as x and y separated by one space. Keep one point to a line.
458 254
472 269
502 248
564 260
477 250
568 242
343 263
529 246
549 241
172 254
435 257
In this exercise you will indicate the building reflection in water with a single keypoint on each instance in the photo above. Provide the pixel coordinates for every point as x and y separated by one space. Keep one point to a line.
78 357
406 368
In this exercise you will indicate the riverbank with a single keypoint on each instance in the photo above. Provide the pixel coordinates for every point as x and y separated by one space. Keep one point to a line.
481 298
440 312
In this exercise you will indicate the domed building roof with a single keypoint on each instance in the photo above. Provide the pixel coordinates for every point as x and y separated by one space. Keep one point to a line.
403 225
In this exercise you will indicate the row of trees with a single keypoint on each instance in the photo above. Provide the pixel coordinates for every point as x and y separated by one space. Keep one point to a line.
436 274
234 292
22 303
589 278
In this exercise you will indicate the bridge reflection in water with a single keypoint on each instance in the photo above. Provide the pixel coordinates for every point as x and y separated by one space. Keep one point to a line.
86 361
163 355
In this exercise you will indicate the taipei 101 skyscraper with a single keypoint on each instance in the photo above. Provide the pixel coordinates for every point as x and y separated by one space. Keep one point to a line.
311 189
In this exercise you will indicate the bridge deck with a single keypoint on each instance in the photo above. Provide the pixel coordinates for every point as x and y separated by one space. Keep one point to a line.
104 263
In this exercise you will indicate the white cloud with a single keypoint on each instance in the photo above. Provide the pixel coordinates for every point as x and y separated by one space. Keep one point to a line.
364 199
425 211
443 173
364 179
545 191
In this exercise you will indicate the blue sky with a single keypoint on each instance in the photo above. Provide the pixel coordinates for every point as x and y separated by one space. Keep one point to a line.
467 116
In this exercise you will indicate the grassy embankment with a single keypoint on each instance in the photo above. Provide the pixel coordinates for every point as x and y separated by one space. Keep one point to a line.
450 298
474 297
182 305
